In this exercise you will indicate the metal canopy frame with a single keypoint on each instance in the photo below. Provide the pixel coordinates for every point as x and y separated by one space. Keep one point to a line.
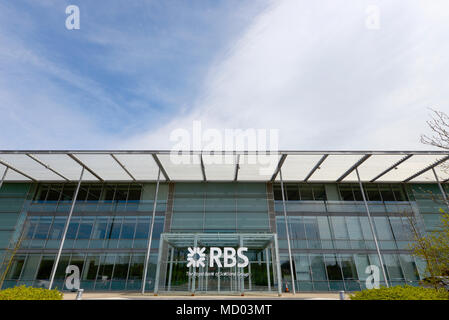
344 174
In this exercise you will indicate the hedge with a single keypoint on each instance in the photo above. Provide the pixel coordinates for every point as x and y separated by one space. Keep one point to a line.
30 293
404 292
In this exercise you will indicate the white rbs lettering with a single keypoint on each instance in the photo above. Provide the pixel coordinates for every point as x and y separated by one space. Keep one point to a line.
243 257
231 257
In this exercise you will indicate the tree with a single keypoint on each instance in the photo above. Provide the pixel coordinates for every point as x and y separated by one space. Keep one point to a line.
439 125
433 247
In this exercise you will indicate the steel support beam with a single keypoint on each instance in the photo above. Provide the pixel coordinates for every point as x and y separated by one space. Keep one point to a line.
371 224
391 168
237 167
315 168
278 265
161 167
288 234
353 167
84 166
426 169
279 166
147 256
267 262
66 227
3 177
123 167
443 193
203 170
47 166
17 170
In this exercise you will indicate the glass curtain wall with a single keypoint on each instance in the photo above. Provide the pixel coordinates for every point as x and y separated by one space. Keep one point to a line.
107 236
220 207
332 242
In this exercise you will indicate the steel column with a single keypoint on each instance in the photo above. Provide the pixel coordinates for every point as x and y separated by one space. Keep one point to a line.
278 264
171 268
158 266
4 176
195 244
241 278
147 256
372 228
66 227
268 269
443 193
287 233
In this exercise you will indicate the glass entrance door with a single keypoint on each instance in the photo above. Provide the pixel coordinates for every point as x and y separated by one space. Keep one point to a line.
174 275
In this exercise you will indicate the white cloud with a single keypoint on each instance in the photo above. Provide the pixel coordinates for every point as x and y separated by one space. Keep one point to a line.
314 71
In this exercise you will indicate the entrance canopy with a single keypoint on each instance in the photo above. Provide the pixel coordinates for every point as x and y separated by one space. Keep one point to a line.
224 166
251 241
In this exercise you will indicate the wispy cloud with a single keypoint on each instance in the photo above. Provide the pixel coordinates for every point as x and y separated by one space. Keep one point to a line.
314 71
128 68
134 73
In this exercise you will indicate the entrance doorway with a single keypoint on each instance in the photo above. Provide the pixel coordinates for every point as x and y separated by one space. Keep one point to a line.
261 274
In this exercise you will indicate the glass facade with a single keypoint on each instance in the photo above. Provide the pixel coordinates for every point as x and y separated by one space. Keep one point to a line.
108 235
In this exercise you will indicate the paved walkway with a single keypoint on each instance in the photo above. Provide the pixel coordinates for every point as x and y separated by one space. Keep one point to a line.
138 296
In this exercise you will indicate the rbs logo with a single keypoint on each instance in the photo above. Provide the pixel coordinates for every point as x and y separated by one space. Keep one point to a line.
196 257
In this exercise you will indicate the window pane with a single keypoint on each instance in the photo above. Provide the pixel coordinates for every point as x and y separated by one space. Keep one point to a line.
45 268
277 193
142 228
323 224
43 228
302 267
400 228
73 228
106 266
311 227
134 194
348 267
57 228
101 228
85 228
128 228
318 267
354 228
339 227
409 267
94 193
372 193
306 192
16 268
136 267
67 192
346 193
386 193
121 267
383 228
292 192
297 229
115 227
92 264
333 267
393 267
319 192
54 193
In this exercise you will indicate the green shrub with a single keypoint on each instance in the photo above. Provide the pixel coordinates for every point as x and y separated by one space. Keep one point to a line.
30 293
401 293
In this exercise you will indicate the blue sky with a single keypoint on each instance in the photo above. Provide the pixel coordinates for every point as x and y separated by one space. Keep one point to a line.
137 70
129 68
